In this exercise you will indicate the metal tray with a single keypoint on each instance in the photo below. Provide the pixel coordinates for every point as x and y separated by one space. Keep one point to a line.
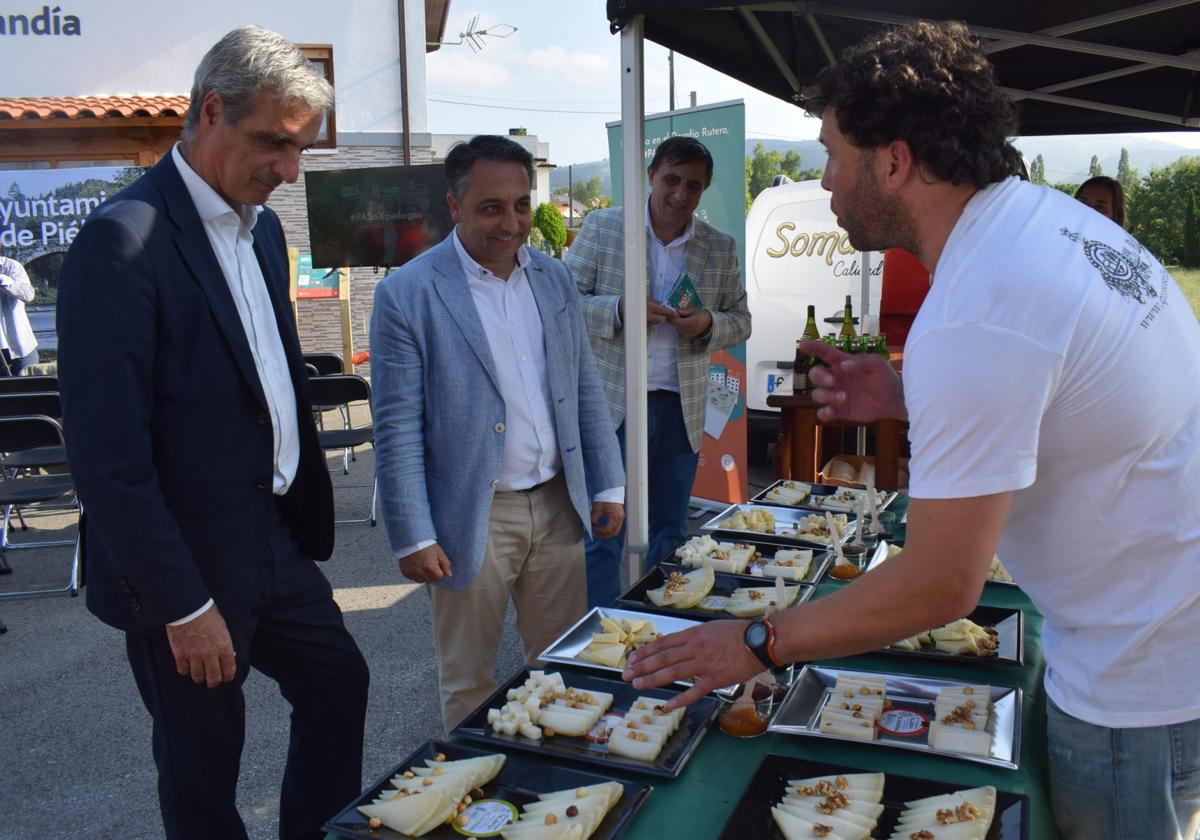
724 584
880 556
565 649
1010 633
785 521
816 491
674 755
751 819
813 686
519 782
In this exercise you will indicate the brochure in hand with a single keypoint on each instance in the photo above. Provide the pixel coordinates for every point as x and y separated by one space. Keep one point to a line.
684 295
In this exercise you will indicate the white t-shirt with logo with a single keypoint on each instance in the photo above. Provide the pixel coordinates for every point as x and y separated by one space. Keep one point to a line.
1055 357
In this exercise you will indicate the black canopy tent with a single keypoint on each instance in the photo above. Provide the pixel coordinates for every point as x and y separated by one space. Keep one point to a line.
1073 66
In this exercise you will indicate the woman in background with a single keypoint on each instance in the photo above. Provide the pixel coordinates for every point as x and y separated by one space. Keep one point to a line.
1104 195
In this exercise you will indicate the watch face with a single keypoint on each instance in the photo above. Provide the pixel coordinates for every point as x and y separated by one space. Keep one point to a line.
756 635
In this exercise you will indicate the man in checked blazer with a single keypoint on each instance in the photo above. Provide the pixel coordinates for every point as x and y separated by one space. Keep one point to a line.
494 449
680 340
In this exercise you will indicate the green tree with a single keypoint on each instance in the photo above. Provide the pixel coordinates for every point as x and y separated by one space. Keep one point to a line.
1125 175
762 167
587 192
1069 189
549 221
1094 168
1158 208
1037 171
1191 235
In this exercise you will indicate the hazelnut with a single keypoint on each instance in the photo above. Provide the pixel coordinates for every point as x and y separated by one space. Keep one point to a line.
440 757
549 732
572 811
426 782
461 819
374 822
581 793
408 774
551 819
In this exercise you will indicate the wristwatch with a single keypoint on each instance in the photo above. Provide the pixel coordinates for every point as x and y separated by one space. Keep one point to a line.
760 639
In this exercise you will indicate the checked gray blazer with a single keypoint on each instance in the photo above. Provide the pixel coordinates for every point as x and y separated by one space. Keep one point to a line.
597 259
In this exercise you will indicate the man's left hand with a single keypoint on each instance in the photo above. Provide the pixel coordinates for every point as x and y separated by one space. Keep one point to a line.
713 654
611 514
691 322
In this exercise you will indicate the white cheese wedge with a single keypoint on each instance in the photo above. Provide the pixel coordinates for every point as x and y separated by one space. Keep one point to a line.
802 828
952 738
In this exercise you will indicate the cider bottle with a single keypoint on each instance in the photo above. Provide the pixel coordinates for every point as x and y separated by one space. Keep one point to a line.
847 321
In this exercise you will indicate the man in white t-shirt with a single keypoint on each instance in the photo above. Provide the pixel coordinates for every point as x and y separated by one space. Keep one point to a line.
1050 381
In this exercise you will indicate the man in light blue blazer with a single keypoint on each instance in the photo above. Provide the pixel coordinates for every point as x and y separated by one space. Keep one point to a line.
494 447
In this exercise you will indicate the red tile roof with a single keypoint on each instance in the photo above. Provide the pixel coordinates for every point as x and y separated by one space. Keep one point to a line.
91 107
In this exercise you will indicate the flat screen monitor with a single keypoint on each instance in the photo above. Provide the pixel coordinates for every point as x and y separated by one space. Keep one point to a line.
382 216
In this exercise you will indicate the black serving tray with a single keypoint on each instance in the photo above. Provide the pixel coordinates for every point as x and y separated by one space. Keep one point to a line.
519 782
674 755
724 584
1010 627
752 820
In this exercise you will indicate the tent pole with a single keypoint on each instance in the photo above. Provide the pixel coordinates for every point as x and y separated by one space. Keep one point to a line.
637 516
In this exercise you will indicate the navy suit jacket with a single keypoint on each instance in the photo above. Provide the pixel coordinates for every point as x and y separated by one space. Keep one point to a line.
167 430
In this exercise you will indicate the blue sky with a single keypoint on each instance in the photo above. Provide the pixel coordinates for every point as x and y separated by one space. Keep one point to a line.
557 77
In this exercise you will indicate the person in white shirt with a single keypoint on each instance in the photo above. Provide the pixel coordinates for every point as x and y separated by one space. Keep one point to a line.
1050 383
17 341
494 450
191 441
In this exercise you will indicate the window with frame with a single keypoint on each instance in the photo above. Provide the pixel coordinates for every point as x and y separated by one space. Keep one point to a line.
321 56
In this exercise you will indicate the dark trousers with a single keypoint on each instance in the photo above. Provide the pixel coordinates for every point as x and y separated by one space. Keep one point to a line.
296 636
671 472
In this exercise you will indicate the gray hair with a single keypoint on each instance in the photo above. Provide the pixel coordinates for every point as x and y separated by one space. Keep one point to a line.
246 61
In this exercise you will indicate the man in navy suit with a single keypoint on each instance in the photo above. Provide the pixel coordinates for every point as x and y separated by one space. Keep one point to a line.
191 441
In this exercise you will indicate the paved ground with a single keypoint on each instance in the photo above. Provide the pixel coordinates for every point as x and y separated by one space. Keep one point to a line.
75 738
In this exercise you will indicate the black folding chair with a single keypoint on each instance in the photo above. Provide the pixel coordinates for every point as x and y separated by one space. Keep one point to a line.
327 364
25 384
22 434
342 391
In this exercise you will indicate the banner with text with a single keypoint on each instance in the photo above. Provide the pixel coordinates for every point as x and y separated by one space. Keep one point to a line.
41 212
722 129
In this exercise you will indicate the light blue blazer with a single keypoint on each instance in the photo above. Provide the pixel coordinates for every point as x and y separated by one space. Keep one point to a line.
439 417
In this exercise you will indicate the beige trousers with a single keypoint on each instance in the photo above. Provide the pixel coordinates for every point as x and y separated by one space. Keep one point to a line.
535 557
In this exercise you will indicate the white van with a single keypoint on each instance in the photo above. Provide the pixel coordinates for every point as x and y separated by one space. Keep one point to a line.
796 255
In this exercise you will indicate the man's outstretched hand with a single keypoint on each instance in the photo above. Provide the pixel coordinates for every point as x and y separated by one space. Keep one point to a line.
855 388
714 654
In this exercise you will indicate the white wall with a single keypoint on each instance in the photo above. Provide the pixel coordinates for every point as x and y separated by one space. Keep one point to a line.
134 47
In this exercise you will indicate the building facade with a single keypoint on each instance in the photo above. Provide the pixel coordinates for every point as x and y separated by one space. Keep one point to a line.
106 83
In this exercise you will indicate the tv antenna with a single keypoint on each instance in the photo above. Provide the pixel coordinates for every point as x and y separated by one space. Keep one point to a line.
473 37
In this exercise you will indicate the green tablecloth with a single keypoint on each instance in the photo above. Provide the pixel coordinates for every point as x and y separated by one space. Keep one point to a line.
696 804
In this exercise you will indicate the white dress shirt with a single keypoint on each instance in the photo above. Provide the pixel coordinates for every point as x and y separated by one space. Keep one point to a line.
229 233
513 326
667 262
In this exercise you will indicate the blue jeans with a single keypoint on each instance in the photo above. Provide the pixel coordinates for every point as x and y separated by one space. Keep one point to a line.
671 472
1123 784
15 366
